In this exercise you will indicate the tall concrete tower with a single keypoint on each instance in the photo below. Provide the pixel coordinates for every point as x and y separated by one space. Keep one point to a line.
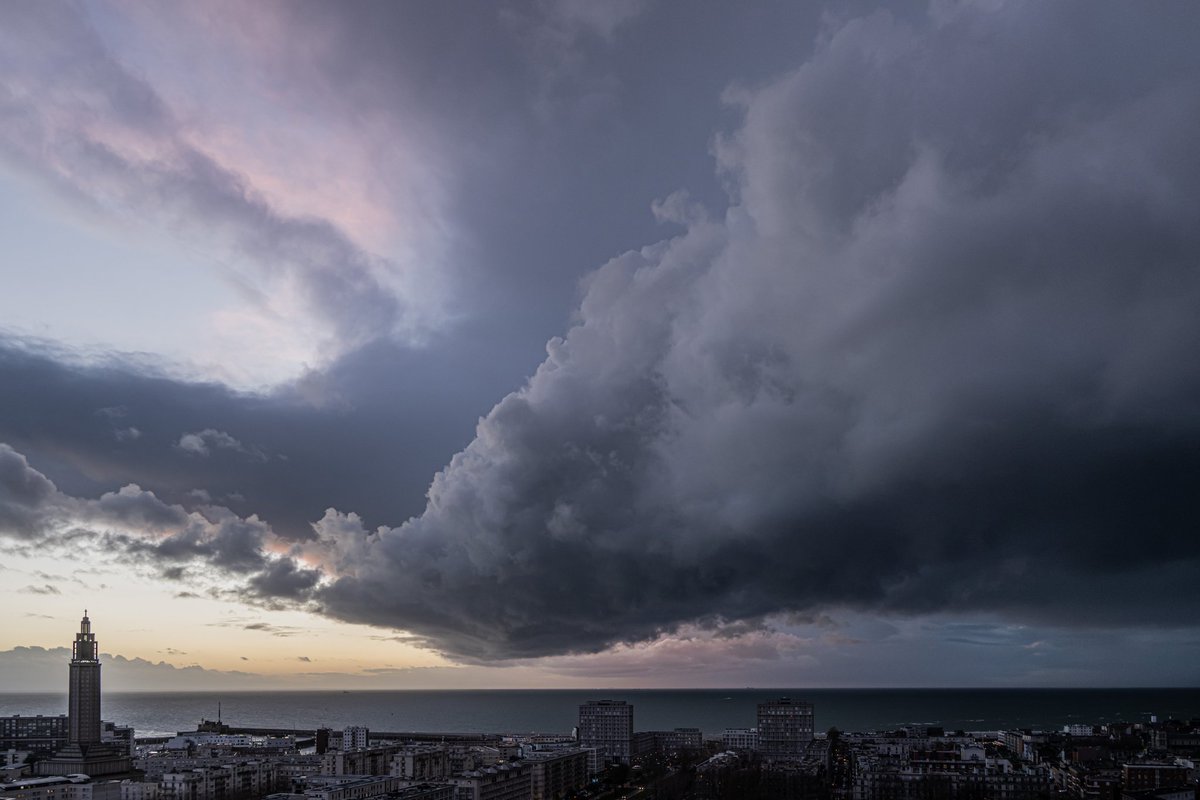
85 753
83 705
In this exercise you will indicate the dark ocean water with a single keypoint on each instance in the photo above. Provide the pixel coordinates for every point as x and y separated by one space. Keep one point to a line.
711 710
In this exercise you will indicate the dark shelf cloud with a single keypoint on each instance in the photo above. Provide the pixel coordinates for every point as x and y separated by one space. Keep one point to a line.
920 341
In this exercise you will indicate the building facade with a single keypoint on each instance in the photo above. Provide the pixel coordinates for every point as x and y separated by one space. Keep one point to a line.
355 737
351 787
83 693
368 761
421 763
607 725
121 737
239 781
33 734
512 781
557 773
785 727
740 739
61 787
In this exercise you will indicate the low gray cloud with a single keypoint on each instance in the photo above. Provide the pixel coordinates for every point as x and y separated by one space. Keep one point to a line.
202 443
228 544
131 524
38 669
282 631
49 576
285 579
43 589
24 495
376 460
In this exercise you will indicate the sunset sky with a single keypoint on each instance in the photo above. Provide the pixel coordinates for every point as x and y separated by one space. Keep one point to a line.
572 343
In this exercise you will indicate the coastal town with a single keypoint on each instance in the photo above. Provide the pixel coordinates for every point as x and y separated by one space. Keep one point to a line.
786 756
599 400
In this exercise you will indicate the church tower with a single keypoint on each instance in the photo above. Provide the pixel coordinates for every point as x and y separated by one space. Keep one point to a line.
83 709
85 753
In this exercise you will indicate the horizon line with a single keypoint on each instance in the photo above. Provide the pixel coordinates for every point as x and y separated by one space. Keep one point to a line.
612 689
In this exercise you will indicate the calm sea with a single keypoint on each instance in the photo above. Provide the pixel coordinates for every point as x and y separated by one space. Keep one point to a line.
711 710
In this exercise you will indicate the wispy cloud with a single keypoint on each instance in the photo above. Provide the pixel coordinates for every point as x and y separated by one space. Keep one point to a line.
110 141
274 630
203 443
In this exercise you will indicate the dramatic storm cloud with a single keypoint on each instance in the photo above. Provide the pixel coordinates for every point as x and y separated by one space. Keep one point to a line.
907 369
938 354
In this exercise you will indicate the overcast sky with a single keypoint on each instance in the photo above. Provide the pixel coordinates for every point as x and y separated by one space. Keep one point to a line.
635 343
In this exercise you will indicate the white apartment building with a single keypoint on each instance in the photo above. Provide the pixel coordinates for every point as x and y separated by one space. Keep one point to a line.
512 781
421 763
363 761
740 739
355 737
248 779
188 740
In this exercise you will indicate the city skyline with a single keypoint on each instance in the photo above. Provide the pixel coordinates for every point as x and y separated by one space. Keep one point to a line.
555 344
783 757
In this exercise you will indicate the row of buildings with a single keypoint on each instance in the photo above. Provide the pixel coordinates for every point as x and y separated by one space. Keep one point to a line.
1115 762
785 730
81 757
46 735
387 771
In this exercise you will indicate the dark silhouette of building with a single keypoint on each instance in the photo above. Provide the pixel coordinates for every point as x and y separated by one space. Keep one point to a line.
85 753
83 704
785 727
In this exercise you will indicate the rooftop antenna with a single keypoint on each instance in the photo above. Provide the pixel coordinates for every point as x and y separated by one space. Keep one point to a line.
218 712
